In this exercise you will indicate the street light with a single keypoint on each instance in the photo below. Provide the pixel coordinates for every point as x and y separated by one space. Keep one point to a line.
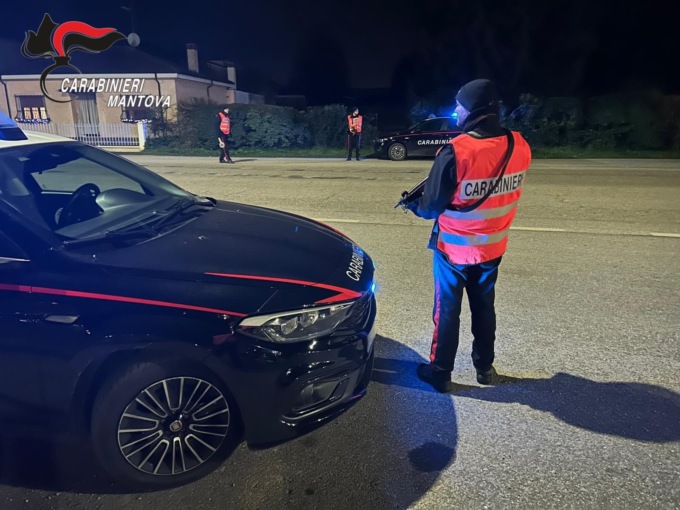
133 38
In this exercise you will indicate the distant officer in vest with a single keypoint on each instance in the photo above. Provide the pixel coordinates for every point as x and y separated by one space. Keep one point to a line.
473 211
223 125
354 122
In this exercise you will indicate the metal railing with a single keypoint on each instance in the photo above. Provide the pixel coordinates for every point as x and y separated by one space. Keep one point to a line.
100 135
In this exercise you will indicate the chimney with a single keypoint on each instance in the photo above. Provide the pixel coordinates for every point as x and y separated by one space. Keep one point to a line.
231 73
192 57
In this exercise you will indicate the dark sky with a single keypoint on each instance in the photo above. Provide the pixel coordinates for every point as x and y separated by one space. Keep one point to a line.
598 45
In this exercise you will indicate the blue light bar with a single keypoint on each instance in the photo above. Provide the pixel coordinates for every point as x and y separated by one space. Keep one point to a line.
9 130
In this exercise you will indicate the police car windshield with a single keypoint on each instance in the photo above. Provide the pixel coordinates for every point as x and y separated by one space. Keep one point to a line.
77 191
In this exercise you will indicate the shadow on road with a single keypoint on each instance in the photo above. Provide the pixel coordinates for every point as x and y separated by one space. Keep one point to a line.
643 412
385 452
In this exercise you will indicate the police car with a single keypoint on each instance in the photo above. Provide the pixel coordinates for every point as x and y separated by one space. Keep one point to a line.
165 325
420 140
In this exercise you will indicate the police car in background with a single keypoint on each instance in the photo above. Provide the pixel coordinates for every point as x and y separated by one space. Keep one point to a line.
162 324
420 140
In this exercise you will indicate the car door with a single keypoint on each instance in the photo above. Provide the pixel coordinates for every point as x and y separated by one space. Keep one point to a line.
41 333
20 385
421 142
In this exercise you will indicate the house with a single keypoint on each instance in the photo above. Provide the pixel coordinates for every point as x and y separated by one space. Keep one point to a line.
119 86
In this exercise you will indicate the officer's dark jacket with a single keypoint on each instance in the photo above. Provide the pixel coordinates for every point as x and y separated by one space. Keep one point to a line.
443 179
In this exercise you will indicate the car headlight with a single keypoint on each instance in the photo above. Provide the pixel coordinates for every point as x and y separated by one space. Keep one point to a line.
295 326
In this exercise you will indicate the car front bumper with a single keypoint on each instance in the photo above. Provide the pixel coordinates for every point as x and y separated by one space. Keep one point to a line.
380 148
285 390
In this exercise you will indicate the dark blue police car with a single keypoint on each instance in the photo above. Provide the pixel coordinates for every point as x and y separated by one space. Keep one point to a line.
420 140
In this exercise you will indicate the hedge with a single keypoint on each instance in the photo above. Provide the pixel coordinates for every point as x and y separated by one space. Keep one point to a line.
261 126
642 121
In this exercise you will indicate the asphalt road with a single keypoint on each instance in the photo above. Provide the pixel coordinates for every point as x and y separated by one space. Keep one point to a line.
588 341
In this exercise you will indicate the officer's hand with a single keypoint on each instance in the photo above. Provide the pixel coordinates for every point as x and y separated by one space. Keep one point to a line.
221 144
413 207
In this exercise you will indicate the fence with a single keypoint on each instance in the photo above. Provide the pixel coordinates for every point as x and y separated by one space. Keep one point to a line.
123 135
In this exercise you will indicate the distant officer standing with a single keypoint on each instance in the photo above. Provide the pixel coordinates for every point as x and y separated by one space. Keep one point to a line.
472 193
223 126
354 122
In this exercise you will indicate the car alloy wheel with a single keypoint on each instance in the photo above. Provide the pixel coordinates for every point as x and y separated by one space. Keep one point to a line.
397 152
173 426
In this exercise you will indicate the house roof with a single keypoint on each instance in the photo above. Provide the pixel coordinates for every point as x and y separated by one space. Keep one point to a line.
120 58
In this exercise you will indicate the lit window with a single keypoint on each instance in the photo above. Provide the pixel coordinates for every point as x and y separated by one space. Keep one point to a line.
134 111
32 108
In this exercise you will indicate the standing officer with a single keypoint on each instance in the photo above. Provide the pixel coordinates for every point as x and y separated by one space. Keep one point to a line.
472 193
223 125
354 122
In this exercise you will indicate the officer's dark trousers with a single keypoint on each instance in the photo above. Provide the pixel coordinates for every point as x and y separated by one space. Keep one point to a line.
353 142
449 282
224 151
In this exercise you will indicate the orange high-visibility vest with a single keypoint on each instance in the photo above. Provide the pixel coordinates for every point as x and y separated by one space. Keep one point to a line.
482 234
225 124
355 123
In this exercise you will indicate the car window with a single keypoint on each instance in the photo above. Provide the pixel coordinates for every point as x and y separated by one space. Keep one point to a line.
70 175
77 190
432 125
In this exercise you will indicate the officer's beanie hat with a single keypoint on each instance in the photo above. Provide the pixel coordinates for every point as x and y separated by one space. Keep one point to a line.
479 95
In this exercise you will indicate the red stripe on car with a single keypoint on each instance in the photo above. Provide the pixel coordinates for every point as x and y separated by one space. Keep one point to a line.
109 297
343 294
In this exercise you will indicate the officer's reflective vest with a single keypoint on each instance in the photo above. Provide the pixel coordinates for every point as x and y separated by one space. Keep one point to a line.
225 124
355 123
482 234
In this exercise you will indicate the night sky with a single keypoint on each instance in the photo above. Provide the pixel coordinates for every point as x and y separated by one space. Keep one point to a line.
570 47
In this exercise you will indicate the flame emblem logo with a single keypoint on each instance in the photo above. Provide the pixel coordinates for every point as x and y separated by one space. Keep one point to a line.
58 41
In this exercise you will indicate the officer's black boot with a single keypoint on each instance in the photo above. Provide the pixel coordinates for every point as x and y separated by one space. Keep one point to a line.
487 377
440 380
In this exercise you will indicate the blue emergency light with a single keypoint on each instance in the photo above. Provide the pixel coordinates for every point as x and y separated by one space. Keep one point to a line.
9 129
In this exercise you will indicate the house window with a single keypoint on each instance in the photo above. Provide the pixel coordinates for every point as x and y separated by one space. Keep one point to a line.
134 110
32 108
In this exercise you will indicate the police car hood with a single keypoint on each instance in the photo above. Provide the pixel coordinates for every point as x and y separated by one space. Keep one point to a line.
232 241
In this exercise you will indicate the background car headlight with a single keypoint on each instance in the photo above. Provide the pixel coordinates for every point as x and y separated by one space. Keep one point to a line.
296 326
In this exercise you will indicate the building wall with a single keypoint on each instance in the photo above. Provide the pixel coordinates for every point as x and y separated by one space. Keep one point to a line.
177 89
188 90
57 112
248 98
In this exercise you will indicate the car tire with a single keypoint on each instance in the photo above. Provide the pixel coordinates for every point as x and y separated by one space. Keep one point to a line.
145 450
397 152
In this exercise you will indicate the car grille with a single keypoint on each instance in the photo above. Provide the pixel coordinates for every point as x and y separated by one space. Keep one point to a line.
358 314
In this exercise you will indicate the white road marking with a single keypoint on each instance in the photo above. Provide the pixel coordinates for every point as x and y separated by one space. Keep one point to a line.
525 229
539 229
334 220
